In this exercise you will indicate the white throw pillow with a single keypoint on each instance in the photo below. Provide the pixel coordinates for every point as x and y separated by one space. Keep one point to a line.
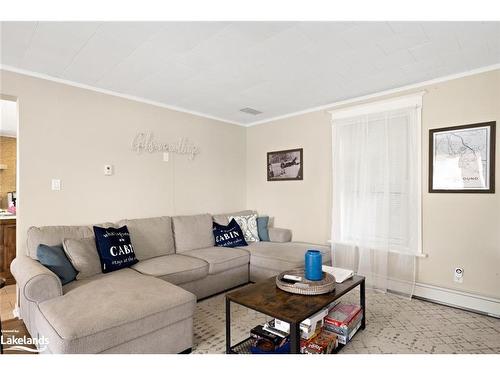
248 225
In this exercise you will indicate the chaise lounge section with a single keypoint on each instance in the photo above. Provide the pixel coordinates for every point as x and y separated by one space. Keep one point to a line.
149 307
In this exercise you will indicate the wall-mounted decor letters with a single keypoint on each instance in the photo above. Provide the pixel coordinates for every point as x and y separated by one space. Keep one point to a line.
144 142
285 165
462 159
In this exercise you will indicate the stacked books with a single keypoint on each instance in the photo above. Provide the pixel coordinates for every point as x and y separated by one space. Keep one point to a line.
344 320
322 342
266 342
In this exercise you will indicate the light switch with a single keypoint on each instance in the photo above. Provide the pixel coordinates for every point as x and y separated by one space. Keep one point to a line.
108 170
165 156
56 184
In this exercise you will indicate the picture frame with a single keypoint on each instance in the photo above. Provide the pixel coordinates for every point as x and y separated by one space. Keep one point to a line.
462 159
285 165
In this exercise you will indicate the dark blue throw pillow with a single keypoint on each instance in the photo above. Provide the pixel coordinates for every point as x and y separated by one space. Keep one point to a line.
55 259
262 230
114 248
229 235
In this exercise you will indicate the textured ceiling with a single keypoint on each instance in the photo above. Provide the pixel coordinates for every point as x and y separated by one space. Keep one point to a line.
217 68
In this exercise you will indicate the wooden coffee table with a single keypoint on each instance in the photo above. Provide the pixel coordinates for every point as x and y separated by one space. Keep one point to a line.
268 299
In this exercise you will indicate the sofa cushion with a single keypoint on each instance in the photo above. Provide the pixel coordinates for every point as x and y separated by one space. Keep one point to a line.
221 259
110 309
192 232
282 256
175 268
83 255
54 235
151 237
223 219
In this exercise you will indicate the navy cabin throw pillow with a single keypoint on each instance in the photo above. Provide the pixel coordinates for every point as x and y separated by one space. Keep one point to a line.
229 235
54 258
115 248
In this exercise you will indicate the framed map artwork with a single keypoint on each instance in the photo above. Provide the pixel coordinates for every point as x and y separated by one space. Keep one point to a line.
462 159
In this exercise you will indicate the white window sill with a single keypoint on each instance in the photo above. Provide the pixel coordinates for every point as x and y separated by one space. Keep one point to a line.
418 255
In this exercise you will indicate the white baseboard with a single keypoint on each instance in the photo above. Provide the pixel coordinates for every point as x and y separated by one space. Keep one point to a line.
455 298
449 297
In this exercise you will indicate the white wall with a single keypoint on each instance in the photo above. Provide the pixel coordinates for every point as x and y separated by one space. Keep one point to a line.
71 133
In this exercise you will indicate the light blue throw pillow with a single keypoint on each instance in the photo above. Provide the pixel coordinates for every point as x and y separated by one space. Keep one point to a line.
54 258
262 223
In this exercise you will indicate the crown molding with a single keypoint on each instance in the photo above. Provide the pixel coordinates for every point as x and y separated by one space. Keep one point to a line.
330 106
413 86
114 93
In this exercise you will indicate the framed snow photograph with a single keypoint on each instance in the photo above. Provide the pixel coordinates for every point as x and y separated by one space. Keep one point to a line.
285 165
462 159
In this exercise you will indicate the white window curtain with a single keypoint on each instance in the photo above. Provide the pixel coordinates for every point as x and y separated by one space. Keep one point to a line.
376 213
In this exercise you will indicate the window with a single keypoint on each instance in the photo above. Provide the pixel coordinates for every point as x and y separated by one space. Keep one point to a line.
377 175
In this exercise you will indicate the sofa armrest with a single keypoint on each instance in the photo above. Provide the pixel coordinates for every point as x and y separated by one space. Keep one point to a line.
280 235
36 282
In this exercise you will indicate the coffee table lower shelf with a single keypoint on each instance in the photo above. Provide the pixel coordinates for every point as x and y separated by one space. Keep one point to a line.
243 347
266 298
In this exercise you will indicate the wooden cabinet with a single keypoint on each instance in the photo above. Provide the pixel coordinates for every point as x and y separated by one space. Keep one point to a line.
7 248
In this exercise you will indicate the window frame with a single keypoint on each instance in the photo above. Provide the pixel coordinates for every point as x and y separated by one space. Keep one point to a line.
401 102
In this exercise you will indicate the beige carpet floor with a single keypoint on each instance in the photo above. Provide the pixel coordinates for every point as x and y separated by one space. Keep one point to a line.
394 325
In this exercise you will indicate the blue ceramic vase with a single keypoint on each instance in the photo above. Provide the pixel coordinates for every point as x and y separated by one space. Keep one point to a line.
313 263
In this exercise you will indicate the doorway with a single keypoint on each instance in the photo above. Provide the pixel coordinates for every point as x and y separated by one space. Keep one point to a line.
8 186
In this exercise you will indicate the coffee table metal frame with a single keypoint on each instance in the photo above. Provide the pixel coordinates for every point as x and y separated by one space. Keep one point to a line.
294 320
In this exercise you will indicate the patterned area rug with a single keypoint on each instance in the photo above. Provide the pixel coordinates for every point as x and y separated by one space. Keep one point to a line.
394 325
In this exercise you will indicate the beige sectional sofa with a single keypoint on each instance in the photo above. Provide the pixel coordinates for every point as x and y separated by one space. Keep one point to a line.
149 307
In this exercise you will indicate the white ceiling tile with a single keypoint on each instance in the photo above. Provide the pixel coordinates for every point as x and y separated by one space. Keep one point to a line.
438 46
279 48
405 28
112 43
55 44
15 38
405 37
439 30
328 34
366 33
180 37
132 32
165 82
146 61
394 60
234 37
472 38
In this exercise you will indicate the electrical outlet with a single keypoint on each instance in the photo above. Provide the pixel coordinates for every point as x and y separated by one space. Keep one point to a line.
458 275
56 184
108 170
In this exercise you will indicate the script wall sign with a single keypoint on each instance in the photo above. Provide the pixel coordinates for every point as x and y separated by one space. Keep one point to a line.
144 142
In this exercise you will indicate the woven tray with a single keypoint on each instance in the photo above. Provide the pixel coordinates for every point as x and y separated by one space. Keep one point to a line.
326 285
